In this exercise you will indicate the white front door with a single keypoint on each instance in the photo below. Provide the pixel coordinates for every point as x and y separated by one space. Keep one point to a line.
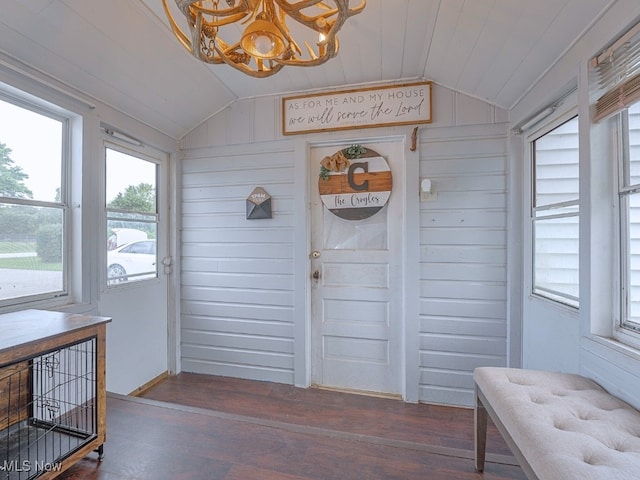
356 322
135 268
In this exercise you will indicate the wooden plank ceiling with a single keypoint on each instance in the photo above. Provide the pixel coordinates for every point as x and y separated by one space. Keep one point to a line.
122 52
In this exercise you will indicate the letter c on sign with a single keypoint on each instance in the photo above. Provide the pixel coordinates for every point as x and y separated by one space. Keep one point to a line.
359 187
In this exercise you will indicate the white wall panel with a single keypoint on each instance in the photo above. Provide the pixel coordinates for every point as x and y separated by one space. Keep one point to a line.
266 125
237 275
277 318
470 290
463 259
465 254
238 283
490 237
471 326
454 272
256 327
458 307
615 367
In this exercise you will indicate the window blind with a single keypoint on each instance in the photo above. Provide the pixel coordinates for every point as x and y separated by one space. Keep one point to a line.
615 75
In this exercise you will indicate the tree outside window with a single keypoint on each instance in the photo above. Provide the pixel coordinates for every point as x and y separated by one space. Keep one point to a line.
32 208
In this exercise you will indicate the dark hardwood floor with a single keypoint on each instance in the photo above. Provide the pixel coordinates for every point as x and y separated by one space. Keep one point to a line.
202 427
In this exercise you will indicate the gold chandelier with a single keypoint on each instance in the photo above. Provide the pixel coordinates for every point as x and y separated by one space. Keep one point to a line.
262 42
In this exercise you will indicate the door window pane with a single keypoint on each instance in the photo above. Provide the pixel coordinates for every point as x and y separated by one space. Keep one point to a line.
132 220
368 234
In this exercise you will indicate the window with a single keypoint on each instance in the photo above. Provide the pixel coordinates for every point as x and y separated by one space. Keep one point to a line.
629 209
33 202
614 90
132 219
555 214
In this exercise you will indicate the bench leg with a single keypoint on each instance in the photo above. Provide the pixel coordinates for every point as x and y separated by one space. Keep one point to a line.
480 434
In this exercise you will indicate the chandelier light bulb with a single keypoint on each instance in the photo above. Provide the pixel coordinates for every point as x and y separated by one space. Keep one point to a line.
262 39
263 43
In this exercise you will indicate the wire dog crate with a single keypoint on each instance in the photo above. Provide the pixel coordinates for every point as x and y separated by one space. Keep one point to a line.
51 408
55 393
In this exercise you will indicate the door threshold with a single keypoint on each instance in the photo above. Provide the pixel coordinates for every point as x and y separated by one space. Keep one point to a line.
365 393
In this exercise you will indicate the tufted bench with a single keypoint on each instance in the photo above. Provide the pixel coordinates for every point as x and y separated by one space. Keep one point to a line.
559 426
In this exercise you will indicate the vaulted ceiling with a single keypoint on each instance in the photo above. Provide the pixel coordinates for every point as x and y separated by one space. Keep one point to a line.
123 53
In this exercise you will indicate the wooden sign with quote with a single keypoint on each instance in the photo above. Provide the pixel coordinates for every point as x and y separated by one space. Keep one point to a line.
355 186
402 104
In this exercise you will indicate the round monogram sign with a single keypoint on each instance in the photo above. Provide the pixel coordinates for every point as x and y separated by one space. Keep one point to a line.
355 182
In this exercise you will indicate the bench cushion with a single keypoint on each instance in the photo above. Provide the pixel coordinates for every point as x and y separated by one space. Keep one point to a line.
565 425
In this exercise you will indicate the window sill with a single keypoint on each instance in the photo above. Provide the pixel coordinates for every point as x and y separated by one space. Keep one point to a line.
80 308
618 346
561 307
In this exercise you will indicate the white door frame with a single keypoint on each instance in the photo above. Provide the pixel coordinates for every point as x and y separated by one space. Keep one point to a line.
408 179
162 361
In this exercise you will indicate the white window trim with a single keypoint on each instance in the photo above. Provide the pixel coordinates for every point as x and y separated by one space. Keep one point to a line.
147 153
72 290
538 130
624 335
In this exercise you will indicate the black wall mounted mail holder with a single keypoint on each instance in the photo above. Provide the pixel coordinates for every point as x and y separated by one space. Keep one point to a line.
258 204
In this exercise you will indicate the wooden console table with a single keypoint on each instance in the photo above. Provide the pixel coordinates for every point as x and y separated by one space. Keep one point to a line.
52 391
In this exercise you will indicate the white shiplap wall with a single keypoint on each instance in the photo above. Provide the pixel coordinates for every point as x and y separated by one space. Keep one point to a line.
237 274
463 264
239 314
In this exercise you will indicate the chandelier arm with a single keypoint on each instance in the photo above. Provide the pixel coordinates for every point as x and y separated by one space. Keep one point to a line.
206 44
226 20
224 49
328 48
186 6
306 4
342 9
307 21
294 12
179 34
343 15
226 16
330 53
196 33
196 20
248 70
279 22
344 12
254 10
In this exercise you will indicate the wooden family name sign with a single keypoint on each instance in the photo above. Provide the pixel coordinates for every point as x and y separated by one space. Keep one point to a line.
355 183
405 104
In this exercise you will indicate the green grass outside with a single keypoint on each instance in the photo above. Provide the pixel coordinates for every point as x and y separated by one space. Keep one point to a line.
29 263
25 263
17 247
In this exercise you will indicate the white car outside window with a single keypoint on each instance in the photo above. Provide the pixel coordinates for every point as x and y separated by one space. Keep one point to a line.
131 262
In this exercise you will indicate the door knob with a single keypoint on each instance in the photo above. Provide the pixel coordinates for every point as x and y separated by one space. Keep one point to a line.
316 274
